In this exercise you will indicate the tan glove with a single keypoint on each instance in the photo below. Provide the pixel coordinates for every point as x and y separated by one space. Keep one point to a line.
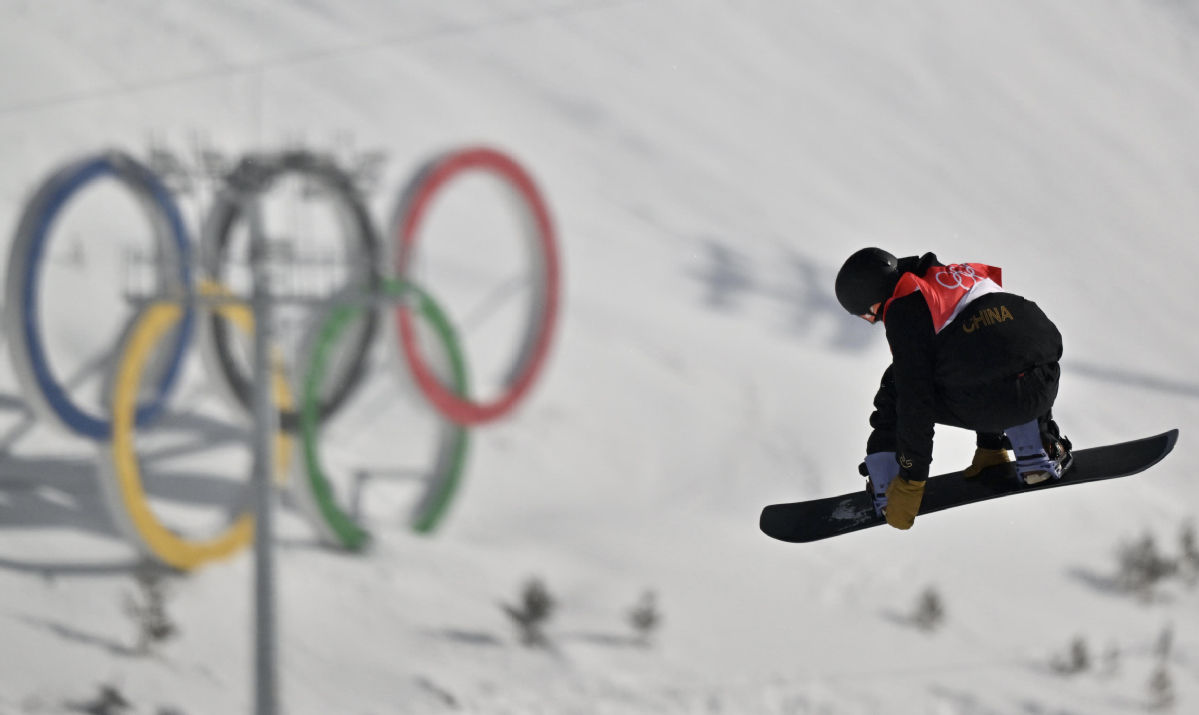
903 502
984 458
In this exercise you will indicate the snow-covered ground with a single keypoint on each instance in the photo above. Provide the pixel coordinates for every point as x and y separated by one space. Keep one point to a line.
708 164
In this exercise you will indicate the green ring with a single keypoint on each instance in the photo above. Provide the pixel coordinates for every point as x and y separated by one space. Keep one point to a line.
342 528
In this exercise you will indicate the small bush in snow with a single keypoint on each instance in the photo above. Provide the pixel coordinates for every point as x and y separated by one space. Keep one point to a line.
148 610
1165 644
1161 686
1141 566
644 617
1076 660
1161 689
534 610
930 610
109 701
1188 561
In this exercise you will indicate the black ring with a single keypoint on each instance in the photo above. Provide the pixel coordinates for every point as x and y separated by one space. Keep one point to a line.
254 175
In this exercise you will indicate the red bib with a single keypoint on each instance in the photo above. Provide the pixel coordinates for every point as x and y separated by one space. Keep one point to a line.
948 289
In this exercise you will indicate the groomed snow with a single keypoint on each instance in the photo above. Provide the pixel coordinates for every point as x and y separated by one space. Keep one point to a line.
708 164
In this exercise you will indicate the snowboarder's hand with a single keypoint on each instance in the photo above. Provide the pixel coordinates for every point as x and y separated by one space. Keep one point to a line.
903 502
984 458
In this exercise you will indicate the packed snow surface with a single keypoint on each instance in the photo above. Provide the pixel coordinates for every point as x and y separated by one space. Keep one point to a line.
708 165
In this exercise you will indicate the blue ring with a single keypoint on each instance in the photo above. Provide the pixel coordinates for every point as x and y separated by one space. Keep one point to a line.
70 182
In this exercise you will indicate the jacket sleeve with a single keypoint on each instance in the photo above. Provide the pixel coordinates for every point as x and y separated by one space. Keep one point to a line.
911 337
882 420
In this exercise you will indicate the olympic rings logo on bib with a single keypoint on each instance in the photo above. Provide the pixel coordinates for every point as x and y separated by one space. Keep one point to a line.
956 276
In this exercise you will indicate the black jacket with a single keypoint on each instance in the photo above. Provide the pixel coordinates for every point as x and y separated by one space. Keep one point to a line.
971 374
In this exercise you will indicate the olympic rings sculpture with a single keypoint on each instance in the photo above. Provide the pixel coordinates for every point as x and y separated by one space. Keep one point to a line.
252 177
407 218
49 397
315 494
351 317
123 486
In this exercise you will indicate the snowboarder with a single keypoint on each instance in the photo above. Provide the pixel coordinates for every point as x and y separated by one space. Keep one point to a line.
964 353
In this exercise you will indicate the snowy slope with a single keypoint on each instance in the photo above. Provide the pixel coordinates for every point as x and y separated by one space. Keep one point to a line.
709 164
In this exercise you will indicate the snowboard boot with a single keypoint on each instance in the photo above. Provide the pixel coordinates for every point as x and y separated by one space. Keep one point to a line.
1042 453
880 469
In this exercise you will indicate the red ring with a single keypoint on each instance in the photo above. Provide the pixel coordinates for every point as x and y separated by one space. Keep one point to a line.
436 174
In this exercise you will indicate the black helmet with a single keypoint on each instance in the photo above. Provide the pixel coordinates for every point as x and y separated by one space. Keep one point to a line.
868 277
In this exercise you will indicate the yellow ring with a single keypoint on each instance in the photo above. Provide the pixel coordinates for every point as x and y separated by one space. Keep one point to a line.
171 548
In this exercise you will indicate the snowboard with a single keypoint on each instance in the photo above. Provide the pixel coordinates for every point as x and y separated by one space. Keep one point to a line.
816 519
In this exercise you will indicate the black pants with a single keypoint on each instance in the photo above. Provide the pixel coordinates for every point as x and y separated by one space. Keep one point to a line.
987 408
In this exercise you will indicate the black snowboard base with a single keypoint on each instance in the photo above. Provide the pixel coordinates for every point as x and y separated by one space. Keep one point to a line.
801 522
